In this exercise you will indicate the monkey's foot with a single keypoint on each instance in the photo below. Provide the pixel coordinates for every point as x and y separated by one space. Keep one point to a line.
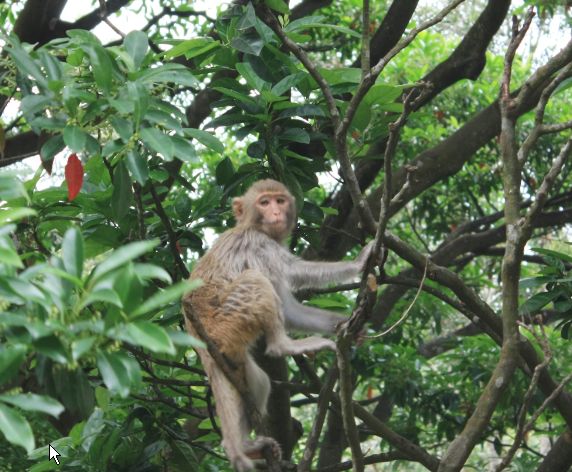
257 448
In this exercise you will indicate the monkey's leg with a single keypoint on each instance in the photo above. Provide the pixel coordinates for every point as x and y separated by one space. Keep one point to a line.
231 411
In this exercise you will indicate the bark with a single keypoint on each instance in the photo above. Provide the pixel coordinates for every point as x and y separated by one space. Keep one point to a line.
334 441
559 458
446 342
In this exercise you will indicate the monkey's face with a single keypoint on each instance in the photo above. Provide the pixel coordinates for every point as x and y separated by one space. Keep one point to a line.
274 214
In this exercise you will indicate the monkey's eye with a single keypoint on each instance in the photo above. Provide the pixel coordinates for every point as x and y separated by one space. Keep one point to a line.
264 202
280 201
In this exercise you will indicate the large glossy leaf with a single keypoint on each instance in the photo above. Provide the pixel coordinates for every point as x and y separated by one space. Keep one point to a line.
75 138
122 191
159 142
121 256
137 166
114 373
33 402
251 77
51 147
192 47
278 5
136 44
145 334
102 67
11 215
16 428
52 347
11 187
174 73
163 297
11 357
26 65
10 257
205 138
72 252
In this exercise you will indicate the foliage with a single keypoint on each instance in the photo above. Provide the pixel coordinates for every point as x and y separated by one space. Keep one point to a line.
152 135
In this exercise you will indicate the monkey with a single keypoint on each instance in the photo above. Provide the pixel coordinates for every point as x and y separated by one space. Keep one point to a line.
249 277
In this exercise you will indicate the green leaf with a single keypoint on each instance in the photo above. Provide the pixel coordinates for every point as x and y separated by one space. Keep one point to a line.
16 428
139 96
102 67
33 402
296 135
537 302
121 256
557 255
12 215
248 43
206 139
51 147
114 373
251 77
11 357
75 138
104 295
169 73
72 252
150 271
162 298
11 187
145 334
288 82
123 127
122 191
136 44
26 65
137 166
184 150
192 48
304 110
159 142
52 347
236 95
10 257
82 346
224 172
278 5
181 338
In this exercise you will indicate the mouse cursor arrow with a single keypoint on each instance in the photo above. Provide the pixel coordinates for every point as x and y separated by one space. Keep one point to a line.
54 454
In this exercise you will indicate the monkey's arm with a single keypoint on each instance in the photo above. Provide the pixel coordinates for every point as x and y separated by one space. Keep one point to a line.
299 317
309 274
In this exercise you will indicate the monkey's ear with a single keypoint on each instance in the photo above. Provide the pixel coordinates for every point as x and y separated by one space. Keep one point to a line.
238 208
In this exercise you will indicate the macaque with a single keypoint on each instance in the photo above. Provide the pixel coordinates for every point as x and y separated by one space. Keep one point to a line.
248 282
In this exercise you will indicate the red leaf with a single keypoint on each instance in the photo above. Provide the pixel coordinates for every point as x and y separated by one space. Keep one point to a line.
74 176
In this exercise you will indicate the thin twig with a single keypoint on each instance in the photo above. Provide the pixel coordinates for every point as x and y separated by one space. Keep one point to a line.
179 264
104 17
406 313
539 128
547 184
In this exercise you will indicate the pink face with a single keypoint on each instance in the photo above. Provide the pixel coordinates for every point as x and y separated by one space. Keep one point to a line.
273 208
